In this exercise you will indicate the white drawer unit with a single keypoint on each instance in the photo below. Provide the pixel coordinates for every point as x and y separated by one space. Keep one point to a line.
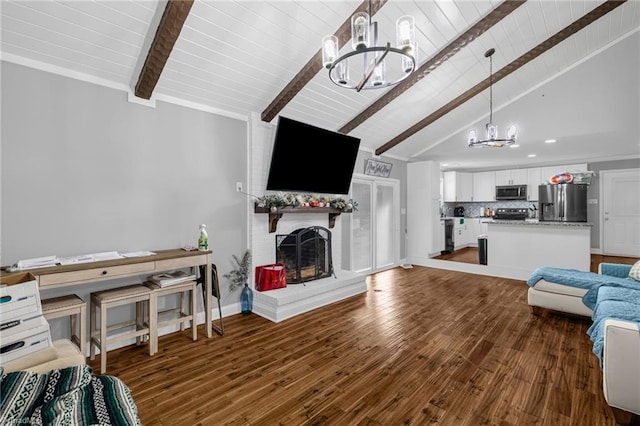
21 300
24 343
17 326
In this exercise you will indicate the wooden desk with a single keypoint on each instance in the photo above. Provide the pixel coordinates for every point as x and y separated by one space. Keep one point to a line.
162 261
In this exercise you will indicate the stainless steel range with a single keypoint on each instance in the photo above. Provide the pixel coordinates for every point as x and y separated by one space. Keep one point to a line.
505 213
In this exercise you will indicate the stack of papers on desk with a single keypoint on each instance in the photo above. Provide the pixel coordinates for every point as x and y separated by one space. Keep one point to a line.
170 278
107 255
85 258
137 254
40 262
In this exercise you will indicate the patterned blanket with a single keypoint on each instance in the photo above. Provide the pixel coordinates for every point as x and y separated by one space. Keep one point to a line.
71 396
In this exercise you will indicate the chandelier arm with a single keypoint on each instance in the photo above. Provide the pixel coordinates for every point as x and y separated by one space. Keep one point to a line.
373 66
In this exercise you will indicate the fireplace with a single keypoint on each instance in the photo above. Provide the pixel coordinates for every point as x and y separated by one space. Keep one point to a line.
305 253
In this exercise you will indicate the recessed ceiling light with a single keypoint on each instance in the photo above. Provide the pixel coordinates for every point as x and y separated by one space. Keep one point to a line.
515 145
550 141
531 155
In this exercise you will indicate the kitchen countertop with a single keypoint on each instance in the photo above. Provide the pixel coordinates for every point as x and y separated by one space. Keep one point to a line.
466 217
535 222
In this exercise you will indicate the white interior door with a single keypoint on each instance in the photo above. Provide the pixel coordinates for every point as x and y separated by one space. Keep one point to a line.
361 226
620 212
386 234
375 226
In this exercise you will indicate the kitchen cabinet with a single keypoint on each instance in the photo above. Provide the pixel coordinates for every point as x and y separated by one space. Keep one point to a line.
511 177
473 230
484 226
460 234
438 240
466 234
484 186
458 186
534 178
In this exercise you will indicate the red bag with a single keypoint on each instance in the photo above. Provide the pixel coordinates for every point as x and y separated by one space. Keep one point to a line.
269 277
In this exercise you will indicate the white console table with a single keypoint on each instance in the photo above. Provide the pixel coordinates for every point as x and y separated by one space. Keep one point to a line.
162 261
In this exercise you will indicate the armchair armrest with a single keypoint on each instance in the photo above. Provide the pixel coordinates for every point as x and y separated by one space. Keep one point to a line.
621 365
614 269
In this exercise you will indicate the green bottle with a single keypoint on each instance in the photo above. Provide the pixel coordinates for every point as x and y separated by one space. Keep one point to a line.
203 241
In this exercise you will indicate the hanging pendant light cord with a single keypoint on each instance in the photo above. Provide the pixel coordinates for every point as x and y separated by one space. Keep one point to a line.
491 89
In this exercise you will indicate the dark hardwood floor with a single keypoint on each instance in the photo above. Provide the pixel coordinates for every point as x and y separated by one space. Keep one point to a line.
470 255
422 346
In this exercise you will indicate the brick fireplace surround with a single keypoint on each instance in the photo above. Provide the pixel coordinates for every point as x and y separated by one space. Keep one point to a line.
278 305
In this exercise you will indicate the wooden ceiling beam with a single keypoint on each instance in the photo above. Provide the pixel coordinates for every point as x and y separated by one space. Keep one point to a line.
479 28
175 13
311 68
549 43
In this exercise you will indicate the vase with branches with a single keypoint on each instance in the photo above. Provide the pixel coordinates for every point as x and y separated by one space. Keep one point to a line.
238 277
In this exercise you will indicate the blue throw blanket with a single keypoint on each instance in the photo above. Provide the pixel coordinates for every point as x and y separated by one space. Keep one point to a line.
591 296
613 303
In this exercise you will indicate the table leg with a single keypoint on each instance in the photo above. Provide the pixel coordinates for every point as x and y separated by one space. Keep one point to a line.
207 300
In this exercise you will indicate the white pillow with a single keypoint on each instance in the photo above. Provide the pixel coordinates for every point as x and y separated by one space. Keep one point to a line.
635 271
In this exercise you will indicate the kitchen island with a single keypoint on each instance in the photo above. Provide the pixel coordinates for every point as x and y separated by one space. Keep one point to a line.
522 246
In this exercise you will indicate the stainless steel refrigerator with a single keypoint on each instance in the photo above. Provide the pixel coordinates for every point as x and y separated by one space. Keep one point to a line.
563 203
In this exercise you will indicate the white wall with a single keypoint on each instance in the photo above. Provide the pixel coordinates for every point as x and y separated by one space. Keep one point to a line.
84 171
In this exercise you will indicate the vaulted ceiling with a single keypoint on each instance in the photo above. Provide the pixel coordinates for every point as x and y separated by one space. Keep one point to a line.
566 70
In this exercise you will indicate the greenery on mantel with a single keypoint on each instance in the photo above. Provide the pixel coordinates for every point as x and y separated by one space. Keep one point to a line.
305 200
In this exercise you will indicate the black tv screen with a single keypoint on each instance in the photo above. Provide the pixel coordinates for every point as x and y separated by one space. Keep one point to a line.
306 158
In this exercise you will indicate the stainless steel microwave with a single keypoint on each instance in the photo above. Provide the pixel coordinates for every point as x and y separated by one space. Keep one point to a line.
511 192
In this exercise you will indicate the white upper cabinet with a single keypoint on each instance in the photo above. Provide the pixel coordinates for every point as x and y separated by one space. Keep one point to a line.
534 178
449 187
458 187
511 177
464 187
484 186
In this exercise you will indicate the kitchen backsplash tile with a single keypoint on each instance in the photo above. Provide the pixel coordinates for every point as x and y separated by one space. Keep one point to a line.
477 209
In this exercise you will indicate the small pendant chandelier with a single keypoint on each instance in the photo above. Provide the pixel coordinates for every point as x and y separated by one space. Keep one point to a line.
492 140
364 40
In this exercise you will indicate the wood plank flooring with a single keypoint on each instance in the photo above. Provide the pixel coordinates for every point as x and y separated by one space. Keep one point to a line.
422 346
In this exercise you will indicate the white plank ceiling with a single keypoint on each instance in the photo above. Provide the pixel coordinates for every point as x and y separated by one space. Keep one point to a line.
236 56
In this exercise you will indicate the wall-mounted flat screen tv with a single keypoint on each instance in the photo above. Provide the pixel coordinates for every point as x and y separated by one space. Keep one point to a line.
306 158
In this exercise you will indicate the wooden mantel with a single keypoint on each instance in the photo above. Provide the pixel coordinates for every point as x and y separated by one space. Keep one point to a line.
276 214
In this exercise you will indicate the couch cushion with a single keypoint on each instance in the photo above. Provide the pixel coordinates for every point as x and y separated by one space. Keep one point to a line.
635 271
551 287
62 354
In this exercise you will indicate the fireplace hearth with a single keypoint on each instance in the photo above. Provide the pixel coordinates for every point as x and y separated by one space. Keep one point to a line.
306 254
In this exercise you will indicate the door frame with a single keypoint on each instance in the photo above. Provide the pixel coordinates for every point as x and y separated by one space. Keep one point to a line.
601 195
395 183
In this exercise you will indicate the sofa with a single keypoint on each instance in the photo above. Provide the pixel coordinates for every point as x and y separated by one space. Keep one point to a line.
611 298
63 353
